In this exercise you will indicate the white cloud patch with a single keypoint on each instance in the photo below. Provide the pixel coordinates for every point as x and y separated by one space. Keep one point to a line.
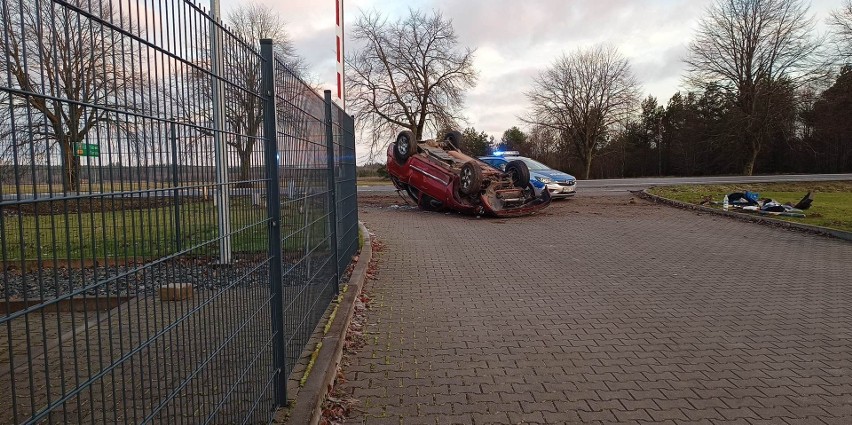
516 39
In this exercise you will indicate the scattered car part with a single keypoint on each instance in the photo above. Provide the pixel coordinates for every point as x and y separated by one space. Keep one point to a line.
806 202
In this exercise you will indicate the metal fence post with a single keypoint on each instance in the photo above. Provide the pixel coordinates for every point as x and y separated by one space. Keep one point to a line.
175 183
332 188
223 195
273 207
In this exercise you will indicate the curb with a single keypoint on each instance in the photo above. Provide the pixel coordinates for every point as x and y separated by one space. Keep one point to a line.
840 234
307 408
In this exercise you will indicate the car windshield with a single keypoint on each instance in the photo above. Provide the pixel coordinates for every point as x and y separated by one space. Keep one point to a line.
533 164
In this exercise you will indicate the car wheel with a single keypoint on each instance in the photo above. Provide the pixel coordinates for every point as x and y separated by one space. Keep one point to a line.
470 178
404 147
454 139
520 173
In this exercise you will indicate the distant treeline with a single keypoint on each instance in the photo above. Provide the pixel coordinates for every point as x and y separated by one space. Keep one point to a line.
698 133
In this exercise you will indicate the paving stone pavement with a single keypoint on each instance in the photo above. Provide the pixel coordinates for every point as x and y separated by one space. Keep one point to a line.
603 310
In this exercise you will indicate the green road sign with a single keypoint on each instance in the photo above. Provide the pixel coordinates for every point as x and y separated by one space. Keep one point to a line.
87 149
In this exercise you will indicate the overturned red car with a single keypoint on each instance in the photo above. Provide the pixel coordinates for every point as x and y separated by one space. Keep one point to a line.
437 176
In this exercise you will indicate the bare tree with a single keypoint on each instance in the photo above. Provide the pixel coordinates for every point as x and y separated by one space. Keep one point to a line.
252 22
8 160
583 96
410 73
841 22
747 47
243 111
545 145
191 97
67 63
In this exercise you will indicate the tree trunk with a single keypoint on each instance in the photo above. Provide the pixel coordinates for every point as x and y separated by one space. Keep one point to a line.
71 167
752 130
748 168
245 169
418 132
752 148
587 166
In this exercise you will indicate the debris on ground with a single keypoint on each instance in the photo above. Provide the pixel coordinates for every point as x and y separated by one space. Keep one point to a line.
339 404
751 202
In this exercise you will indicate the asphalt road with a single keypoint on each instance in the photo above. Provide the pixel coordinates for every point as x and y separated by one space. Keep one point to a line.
603 186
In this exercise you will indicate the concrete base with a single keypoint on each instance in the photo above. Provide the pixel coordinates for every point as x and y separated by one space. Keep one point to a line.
176 292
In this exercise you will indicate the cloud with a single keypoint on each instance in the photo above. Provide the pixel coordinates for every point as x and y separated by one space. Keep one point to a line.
662 65
494 105
514 40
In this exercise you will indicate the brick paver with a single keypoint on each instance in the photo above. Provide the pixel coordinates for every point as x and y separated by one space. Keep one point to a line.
601 310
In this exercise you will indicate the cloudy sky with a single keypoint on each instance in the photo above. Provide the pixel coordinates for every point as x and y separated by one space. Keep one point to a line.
515 39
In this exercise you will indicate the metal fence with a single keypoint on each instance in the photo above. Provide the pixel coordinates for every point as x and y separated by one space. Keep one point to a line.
173 222
345 191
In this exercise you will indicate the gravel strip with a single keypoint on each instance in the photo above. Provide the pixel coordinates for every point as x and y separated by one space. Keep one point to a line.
132 281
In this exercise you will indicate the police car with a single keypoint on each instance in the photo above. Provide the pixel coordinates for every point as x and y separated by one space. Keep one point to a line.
560 185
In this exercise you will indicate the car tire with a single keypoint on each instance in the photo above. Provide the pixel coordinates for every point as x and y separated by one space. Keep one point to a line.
520 173
404 147
453 139
470 178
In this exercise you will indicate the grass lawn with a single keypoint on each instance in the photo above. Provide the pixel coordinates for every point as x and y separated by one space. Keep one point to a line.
151 232
105 186
373 181
832 206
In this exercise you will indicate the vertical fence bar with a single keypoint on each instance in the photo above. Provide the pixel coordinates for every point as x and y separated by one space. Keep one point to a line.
349 206
223 200
273 207
175 182
332 186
